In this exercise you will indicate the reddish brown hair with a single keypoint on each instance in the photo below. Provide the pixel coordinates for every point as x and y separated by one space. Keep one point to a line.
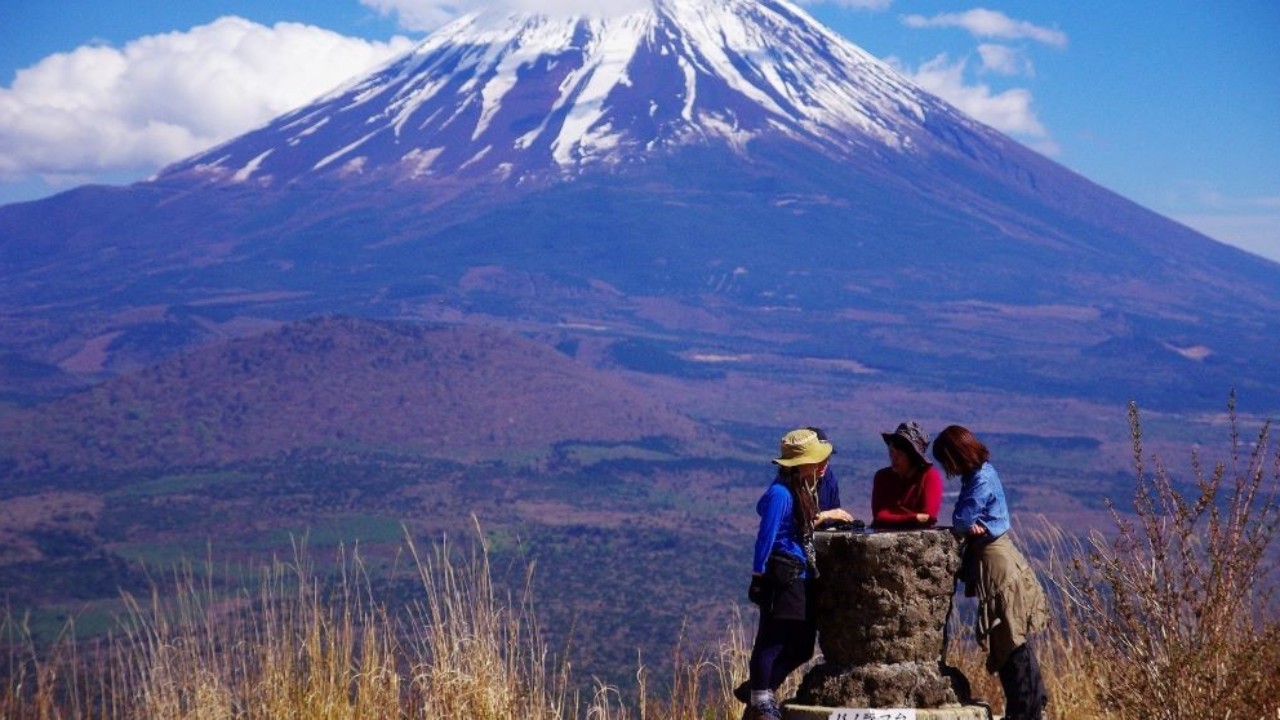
959 451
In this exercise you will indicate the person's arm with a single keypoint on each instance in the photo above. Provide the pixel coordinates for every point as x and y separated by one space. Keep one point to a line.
776 505
894 516
829 509
932 482
832 515
974 495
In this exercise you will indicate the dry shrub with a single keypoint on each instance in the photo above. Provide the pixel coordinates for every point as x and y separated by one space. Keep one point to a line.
1173 615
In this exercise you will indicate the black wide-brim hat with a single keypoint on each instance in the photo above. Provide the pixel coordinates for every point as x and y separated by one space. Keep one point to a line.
914 435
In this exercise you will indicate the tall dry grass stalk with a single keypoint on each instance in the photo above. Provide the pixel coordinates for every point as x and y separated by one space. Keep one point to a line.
37 682
476 655
702 682
285 651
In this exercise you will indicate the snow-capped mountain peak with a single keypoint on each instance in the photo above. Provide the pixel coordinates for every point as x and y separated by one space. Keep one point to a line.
513 94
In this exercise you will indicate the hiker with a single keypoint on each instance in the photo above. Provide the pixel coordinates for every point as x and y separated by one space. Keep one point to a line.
1011 603
908 493
828 488
783 570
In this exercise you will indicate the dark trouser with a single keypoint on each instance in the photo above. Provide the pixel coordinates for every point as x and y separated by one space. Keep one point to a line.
781 646
1024 693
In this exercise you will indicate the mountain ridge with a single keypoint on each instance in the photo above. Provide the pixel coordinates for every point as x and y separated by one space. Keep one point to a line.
455 393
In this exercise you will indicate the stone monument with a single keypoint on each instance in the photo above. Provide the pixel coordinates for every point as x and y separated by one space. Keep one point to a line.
881 606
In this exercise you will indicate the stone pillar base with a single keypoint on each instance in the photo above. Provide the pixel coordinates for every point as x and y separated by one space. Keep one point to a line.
878 685
957 712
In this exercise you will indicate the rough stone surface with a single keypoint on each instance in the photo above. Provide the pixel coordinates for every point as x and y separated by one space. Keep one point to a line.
880 685
882 600
966 712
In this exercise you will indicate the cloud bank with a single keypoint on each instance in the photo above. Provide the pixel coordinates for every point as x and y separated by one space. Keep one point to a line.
990 24
101 109
1004 60
1009 111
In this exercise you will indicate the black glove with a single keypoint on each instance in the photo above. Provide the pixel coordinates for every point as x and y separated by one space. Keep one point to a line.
758 592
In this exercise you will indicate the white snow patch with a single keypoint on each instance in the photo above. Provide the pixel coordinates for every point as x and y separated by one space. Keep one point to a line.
531 45
727 129
690 89
582 326
310 130
248 170
1195 352
419 161
354 166
608 54
334 156
214 166
477 157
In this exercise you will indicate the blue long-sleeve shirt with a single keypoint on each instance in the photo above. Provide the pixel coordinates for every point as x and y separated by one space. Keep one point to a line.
981 502
829 491
777 522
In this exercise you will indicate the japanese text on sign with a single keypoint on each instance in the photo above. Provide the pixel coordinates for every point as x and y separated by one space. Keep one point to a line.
872 714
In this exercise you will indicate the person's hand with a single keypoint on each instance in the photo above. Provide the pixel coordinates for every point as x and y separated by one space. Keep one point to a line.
922 518
833 516
758 591
977 530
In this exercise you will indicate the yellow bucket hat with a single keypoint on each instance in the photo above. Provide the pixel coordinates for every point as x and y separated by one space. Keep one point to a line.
802 447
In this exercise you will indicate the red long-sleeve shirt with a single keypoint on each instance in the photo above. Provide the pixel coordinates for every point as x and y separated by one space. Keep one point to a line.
896 502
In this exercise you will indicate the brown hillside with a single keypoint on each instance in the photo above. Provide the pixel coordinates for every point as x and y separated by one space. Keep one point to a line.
458 392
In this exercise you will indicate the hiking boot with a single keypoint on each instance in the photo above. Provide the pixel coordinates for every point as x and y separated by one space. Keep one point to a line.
765 710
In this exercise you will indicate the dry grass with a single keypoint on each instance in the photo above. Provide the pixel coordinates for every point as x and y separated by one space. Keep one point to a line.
1170 616
290 650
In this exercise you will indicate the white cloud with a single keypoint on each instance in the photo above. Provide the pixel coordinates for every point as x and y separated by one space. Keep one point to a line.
1004 60
426 15
990 24
1218 200
1009 111
99 109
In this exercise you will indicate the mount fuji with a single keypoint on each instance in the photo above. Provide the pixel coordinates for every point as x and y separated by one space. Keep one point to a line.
698 189
538 99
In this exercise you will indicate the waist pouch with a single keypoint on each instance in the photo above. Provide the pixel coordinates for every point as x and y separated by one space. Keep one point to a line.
783 568
788 597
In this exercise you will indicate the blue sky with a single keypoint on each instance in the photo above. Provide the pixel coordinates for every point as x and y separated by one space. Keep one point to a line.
1174 104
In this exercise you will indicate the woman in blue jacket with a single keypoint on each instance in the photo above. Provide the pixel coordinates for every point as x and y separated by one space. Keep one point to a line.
1011 603
783 568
